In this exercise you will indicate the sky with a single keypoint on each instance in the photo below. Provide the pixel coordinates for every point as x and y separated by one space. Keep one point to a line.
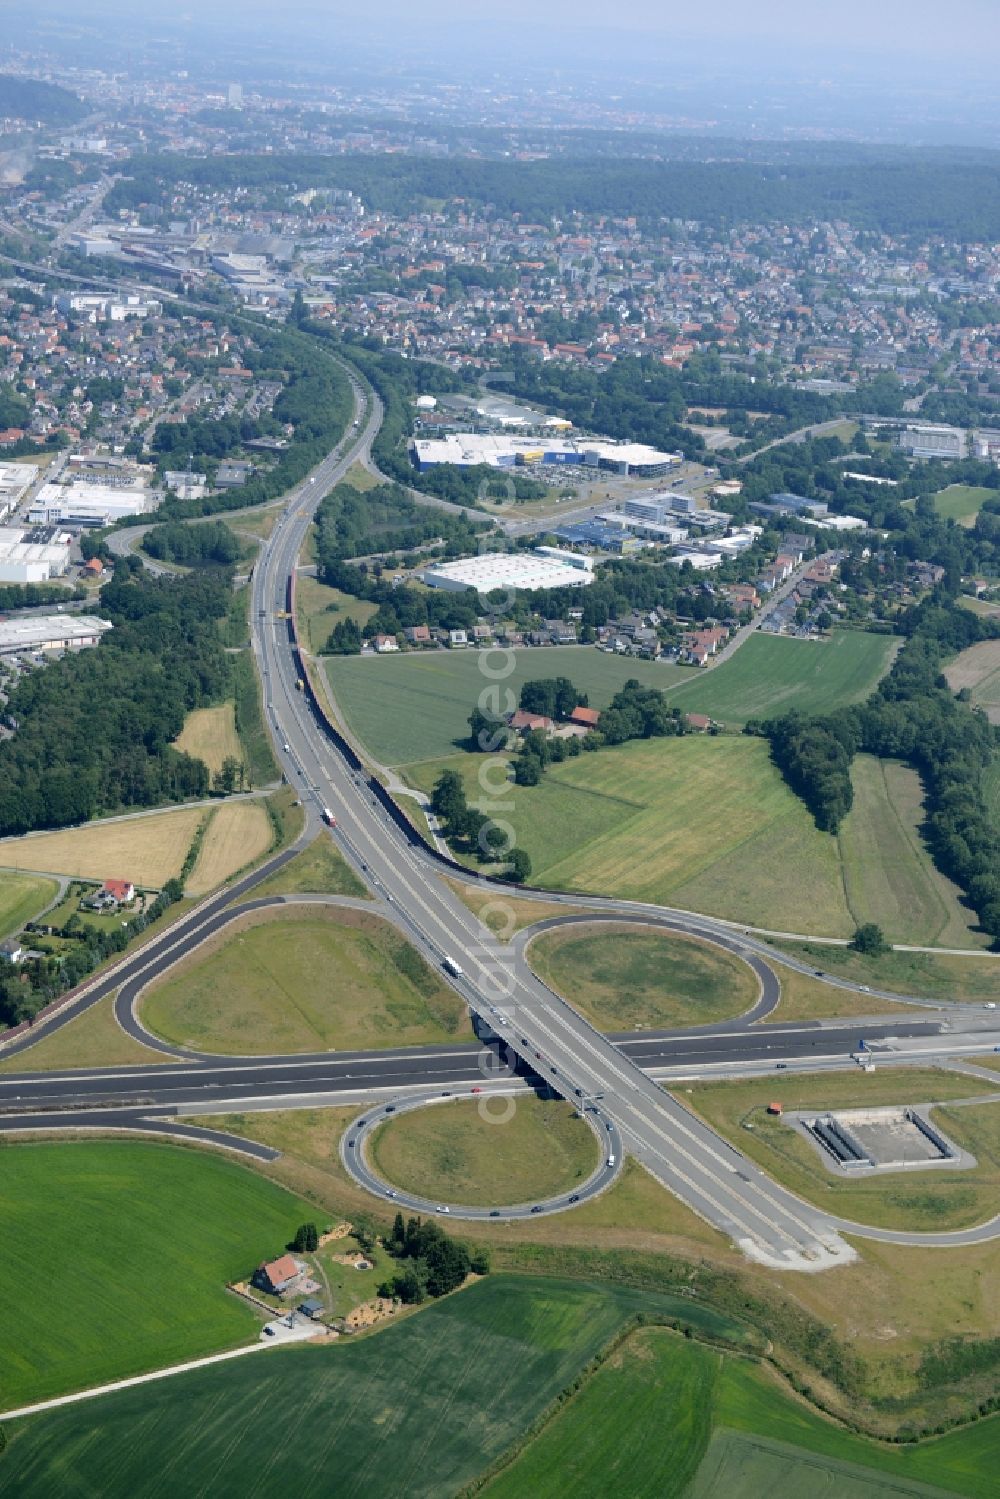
968 29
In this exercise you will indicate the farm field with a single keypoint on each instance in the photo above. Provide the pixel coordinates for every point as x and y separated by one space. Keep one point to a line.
452 1152
239 833
319 607
22 897
963 502
209 734
769 675
93 1039
149 1234
942 1199
320 869
692 1397
927 975
418 1409
304 980
408 707
699 822
148 849
889 875
978 669
623 977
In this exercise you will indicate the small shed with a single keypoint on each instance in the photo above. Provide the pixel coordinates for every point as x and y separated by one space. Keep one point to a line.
311 1308
774 1108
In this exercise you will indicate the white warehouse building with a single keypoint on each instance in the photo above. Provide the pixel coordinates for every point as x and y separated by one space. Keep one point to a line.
51 632
509 570
469 449
23 561
82 504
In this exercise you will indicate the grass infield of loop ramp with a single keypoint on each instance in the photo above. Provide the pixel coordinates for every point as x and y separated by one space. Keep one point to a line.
457 1153
629 977
303 979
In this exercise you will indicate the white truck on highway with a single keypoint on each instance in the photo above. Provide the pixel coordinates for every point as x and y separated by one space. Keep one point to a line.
450 966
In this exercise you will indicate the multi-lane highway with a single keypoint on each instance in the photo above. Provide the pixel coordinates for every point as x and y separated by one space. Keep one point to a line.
524 1019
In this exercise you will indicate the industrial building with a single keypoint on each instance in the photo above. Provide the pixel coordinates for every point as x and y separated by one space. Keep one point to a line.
30 557
933 442
50 632
511 570
80 504
601 534
470 449
107 308
14 480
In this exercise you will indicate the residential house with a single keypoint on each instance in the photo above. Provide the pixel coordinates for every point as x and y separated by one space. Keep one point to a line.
419 635
120 892
384 644
280 1277
11 950
700 645
700 723
458 638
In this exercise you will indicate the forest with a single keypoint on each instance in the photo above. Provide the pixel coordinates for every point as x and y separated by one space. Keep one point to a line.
203 544
30 99
908 194
94 729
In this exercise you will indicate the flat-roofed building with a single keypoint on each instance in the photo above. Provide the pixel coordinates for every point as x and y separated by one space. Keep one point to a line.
50 632
507 570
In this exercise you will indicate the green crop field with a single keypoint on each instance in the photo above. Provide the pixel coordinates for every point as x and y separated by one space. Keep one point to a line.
889 875
304 979
663 1418
703 823
132 1245
770 675
408 707
623 977
22 897
963 502
418 1409
464 1151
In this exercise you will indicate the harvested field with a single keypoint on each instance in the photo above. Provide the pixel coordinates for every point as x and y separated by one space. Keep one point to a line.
978 669
238 833
209 734
148 849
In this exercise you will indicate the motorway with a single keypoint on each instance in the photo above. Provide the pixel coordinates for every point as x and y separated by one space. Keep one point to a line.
522 1017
